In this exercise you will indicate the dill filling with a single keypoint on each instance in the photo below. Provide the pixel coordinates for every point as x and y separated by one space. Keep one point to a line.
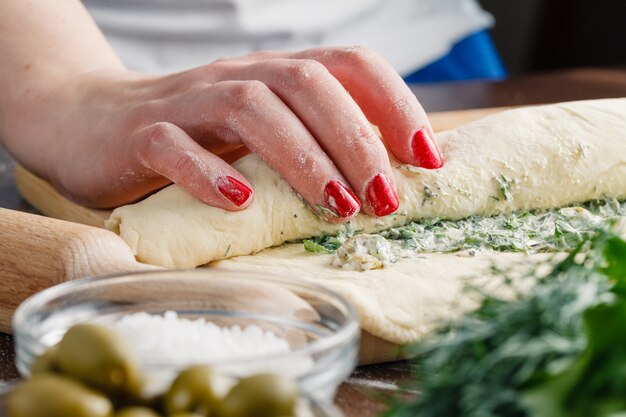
530 231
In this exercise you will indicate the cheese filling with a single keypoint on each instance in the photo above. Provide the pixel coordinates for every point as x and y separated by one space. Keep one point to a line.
527 231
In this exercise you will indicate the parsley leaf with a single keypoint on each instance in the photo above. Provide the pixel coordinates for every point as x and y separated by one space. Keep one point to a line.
327 244
313 247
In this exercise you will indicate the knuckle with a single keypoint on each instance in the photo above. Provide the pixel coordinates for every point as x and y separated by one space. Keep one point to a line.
303 70
149 143
302 75
358 55
236 100
246 96
247 91
158 132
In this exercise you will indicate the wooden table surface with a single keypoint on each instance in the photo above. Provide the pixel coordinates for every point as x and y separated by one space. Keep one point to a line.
361 394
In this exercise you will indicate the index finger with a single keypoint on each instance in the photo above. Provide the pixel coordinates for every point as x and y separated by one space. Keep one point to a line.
385 99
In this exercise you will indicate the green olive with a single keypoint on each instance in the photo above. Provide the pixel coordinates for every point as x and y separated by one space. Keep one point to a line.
198 389
136 412
46 362
49 395
141 395
98 356
263 395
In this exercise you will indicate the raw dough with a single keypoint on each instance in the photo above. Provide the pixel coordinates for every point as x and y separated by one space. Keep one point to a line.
549 155
400 303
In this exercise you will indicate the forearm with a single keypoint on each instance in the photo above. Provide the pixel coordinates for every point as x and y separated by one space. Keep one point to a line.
43 44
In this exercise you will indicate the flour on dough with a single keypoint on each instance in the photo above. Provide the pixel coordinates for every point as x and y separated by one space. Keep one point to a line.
551 155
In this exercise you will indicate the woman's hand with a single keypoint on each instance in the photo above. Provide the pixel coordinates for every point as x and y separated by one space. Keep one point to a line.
105 136
114 136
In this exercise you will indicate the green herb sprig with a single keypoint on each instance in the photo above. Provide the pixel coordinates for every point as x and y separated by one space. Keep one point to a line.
326 244
558 351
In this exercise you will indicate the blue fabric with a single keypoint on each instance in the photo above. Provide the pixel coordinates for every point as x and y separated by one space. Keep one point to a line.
474 57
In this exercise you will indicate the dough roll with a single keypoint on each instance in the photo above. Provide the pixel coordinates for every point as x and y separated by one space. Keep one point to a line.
539 157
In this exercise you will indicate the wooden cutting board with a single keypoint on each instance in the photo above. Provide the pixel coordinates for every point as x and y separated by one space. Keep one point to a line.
80 247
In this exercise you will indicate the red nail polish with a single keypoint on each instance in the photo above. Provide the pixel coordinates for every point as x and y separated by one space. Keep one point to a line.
381 196
340 199
234 190
425 150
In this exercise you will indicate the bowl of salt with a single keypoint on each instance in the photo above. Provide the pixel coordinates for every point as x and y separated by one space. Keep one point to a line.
238 323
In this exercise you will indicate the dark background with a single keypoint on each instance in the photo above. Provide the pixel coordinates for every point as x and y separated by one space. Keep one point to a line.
540 35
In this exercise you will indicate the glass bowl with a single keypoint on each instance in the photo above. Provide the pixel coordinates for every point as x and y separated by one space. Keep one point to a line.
320 327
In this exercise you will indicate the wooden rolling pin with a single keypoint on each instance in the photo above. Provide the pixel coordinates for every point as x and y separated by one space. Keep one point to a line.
37 252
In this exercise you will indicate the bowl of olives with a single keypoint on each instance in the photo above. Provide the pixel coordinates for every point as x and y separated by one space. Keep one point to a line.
235 323
92 372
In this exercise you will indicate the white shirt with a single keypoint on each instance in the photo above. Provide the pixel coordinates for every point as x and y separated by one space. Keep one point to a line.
161 36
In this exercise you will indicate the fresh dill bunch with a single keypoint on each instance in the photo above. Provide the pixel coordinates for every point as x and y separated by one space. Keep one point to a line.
546 353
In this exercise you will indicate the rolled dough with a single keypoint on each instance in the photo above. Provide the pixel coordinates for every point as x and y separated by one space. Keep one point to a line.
549 156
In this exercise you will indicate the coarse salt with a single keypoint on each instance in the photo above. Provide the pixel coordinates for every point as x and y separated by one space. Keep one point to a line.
165 344
178 341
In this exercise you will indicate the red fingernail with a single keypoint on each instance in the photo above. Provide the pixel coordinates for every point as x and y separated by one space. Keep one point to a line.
381 196
341 199
234 190
425 150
